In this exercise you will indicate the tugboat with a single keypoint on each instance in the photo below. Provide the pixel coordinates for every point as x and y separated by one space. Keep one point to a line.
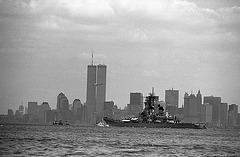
153 116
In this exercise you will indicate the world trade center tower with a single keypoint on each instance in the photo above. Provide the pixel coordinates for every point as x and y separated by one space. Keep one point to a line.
96 92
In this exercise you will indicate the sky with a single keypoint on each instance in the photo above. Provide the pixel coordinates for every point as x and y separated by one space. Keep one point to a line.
45 47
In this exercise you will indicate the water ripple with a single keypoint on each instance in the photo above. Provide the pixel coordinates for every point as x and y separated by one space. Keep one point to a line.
27 140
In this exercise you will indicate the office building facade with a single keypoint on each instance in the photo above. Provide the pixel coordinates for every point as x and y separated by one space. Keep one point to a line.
32 112
63 112
223 115
232 115
42 112
190 108
77 105
136 104
216 104
172 97
10 113
101 90
96 92
21 110
32 108
199 103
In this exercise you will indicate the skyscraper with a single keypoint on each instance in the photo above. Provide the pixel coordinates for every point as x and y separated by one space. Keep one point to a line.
101 90
206 113
199 103
223 115
62 107
136 104
10 112
137 99
190 108
42 112
232 115
59 97
21 110
76 106
216 103
65 113
96 92
32 108
32 111
171 97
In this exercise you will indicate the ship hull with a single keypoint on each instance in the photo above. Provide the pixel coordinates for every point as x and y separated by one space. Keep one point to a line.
117 123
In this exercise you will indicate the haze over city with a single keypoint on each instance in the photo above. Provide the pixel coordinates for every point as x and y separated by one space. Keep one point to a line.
45 47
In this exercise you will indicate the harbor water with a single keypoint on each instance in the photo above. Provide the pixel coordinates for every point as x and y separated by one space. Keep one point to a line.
40 140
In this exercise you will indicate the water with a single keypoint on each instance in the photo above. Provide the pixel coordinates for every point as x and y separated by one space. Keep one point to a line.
32 140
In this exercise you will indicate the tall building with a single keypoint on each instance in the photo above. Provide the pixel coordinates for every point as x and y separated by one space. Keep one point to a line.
190 108
199 103
84 116
223 115
96 92
232 115
91 92
238 119
171 97
77 105
21 110
10 112
136 104
63 112
206 113
101 90
32 108
26 110
42 112
216 103
137 99
59 97
32 111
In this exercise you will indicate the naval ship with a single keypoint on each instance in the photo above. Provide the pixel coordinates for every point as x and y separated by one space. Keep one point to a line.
153 116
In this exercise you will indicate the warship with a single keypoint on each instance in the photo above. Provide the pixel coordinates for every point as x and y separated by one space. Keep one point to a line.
153 116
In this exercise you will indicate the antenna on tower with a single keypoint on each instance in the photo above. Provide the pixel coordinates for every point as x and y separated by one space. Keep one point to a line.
92 57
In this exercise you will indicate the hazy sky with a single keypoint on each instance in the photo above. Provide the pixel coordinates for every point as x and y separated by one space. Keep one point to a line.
46 45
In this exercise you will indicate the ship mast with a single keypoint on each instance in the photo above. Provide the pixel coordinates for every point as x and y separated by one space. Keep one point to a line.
92 57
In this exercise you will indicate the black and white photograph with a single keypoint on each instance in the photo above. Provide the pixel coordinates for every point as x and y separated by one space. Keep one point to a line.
119 78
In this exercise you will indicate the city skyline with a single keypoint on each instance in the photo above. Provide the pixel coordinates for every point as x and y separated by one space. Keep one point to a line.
186 45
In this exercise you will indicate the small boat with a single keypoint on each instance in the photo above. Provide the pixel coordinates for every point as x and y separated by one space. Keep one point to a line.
55 122
102 124
60 122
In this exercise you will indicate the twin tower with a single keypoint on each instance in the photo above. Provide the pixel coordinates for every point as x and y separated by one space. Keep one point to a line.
96 92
